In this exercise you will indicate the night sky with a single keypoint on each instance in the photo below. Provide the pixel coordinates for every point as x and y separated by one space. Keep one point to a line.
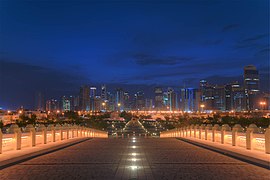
56 46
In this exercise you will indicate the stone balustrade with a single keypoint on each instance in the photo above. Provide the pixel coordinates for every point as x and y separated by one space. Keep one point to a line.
251 139
31 137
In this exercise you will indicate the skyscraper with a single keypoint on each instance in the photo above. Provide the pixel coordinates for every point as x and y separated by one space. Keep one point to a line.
39 101
85 98
103 93
93 91
251 86
119 99
52 105
189 99
139 101
66 103
219 98
172 100
239 100
158 98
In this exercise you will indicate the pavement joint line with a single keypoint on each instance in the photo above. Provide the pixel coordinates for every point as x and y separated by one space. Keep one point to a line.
235 155
56 164
26 157
200 163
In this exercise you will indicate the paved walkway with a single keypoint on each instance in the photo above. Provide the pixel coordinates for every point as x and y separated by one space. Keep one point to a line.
138 158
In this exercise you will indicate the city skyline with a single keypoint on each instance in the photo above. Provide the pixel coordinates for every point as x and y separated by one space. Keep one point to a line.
133 45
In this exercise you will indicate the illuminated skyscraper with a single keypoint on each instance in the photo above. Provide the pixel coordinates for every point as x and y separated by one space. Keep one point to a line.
85 98
158 98
238 95
52 105
103 93
251 86
119 99
93 91
189 99
66 103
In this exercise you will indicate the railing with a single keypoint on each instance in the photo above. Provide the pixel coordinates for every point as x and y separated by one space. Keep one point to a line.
235 136
17 139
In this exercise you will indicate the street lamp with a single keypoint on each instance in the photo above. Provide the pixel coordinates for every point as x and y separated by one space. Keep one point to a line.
119 104
262 103
202 106
104 106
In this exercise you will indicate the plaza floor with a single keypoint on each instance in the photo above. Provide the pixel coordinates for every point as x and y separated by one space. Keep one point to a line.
134 158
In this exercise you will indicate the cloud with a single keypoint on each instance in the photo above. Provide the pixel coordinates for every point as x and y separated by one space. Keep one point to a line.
252 42
20 81
255 38
146 60
230 27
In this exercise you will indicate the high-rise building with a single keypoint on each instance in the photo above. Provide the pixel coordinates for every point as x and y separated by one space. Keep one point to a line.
149 104
189 99
203 85
119 99
39 101
111 101
239 100
103 93
158 98
85 98
93 91
228 97
52 105
127 101
139 101
251 87
66 103
172 100
219 98
209 97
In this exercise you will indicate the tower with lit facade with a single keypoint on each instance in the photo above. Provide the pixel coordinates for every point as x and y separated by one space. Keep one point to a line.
251 86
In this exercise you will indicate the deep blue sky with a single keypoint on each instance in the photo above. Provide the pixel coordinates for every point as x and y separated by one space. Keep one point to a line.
56 46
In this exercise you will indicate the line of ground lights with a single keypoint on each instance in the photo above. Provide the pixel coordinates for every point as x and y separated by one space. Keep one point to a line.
134 156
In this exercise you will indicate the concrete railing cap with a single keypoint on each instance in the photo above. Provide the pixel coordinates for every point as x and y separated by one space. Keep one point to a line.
14 126
226 127
42 126
216 126
58 126
237 126
50 127
253 127
29 127
202 126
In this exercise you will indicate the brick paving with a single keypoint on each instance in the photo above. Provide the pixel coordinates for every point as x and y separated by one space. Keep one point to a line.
139 158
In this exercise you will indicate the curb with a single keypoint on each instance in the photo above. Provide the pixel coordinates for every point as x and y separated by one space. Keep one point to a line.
248 159
13 161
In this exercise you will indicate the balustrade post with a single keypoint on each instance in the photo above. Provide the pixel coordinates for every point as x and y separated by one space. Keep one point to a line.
195 130
236 128
207 129
252 128
214 131
17 136
224 128
61 132
190 130
267 140
1 141
43 133
53 133
32 132
202 127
